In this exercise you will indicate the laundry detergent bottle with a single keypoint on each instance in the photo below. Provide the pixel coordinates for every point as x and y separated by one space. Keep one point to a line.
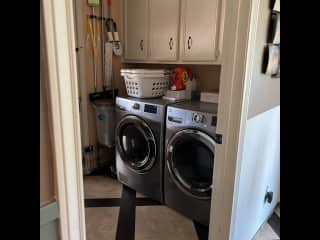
180 77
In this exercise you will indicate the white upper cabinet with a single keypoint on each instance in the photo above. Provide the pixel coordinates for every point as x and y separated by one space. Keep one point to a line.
173 31
199 30
164 27
136 29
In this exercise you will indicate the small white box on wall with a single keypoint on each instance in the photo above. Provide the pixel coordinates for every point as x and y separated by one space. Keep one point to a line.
209 97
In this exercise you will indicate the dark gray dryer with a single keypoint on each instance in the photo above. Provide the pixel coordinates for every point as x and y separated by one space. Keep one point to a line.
189 158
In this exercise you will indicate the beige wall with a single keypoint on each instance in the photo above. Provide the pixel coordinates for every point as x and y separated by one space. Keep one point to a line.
208 77
47 183
265 91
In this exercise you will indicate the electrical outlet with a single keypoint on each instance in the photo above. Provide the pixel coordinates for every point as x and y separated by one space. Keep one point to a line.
268 197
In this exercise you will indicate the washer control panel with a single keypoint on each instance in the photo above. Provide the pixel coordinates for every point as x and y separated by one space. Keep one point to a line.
140 108
150 108
136 106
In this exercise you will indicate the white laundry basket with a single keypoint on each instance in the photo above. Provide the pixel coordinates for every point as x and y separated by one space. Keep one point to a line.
146 83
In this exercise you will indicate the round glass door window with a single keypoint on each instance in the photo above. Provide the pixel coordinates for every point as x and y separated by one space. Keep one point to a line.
190 160
136 143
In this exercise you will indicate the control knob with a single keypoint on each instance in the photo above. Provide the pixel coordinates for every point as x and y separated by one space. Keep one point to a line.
198 118
136 106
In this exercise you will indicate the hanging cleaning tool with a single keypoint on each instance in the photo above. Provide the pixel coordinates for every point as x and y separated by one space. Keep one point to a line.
112 34
98 34
116 45
115 32
109 23
105 93
102 43
93 45
92 28
94 53
109 70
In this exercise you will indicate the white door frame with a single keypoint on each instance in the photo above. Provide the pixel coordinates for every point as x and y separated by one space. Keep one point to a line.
253 30
58 21
63 94
235 81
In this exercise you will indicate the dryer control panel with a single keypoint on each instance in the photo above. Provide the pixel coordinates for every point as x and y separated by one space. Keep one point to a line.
202 118
181 117
198 117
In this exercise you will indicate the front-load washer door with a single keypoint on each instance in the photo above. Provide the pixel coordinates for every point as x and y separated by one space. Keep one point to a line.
190 161
136 143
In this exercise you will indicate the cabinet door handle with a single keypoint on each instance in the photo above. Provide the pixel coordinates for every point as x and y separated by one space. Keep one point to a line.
189 42
171 43
141 45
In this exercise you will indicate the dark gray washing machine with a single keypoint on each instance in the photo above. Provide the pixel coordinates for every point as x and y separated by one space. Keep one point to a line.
189 158
139 139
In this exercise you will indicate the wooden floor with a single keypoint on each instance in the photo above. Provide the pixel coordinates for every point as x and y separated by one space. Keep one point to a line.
116 212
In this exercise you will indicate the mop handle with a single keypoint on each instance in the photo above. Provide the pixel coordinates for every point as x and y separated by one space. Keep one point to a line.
97 27
92 38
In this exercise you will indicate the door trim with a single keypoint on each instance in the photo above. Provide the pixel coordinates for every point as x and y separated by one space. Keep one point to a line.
235 80
253 30
62 86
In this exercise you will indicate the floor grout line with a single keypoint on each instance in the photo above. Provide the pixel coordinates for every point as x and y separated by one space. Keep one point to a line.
127 215
115 202
274 223
202 231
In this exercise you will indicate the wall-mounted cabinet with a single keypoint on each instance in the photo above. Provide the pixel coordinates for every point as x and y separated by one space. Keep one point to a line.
172 31
136 29
164 29
199 30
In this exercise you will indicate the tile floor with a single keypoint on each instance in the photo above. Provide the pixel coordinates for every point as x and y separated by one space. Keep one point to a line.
160 222
101 223
154 222
266 233
101 187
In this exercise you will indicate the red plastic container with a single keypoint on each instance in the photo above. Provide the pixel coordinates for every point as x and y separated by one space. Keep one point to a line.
180 77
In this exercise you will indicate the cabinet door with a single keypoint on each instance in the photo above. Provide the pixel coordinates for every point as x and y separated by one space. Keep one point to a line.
164 24
136 29
199 37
